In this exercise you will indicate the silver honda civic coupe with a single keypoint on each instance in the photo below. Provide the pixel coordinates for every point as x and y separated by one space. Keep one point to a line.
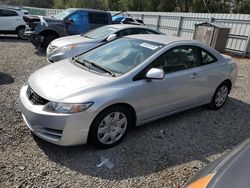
97 96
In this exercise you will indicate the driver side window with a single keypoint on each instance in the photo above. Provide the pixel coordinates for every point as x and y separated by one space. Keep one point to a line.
177 59
79 18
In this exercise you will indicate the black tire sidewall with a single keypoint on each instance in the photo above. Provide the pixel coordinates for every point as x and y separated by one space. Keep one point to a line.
212 103
18 30
48 39
93 138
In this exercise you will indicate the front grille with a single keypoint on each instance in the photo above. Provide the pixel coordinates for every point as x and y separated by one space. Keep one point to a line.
34 97
31 27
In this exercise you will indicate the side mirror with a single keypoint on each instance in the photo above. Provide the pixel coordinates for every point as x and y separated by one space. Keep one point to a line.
111 37
155 73
69 21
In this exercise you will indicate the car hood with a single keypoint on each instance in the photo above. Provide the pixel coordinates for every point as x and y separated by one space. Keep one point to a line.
61 80
69 40
231 170
42 19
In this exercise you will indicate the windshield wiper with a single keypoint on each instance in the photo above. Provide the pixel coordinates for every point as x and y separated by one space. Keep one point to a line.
80 62
88 37
101 68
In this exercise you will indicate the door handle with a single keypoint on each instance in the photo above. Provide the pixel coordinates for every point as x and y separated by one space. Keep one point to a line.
194 75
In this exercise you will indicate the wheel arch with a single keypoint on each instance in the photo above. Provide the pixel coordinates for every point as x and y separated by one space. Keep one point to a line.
20 26
228 83
49 32
123 104
127 106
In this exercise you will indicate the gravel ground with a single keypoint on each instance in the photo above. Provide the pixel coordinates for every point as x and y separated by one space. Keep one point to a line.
145 158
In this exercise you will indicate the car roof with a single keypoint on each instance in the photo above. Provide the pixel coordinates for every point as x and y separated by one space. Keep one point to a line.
13 8
127 26
163 39
88 10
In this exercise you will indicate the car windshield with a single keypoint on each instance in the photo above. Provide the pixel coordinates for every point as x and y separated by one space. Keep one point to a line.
100 32
63 14
122 55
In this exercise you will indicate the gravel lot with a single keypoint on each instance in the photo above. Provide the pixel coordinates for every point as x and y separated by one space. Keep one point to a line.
189 141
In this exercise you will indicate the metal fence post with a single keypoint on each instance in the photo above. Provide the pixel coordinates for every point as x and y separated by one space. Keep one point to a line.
179 26
245 53
158 25
211 19
142 17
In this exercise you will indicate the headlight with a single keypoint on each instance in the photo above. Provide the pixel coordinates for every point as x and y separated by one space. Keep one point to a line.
67 48
202 182
63 49
66 108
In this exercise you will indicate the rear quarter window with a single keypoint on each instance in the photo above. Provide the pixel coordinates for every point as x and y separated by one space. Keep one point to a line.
98 18
147 31
207 57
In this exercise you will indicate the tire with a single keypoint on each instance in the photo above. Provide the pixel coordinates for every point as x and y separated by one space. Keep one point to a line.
220 96
48 39
110 127
21 33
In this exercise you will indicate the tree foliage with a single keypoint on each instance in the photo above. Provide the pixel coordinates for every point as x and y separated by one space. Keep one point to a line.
218 6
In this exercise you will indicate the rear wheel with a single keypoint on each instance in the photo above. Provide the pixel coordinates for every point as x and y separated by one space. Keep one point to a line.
48 39
220 96
110 127
21 33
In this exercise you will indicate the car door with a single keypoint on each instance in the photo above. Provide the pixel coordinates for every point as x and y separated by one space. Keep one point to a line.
97 19
181 87
209 74
9 20
79 23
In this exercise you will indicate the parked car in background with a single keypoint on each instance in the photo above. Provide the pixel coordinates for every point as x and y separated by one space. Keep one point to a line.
231 170
97 96
42 30
11 21
71 46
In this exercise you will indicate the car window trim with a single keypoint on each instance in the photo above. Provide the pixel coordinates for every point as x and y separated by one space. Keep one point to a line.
209 53
142 74
12 11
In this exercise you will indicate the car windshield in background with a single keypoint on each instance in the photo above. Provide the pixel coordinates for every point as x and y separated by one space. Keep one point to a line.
100 32
62 15
122 55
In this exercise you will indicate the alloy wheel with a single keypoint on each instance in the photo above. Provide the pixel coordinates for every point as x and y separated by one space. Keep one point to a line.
221 96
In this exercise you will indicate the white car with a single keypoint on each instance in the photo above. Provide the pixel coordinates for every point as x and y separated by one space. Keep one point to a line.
11 21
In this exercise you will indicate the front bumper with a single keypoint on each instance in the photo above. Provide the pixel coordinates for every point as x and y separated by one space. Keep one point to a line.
59 129
35 39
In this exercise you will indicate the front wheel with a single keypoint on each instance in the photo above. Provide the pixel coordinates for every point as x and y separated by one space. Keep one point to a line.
220 96
21 33
110 127
48 39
